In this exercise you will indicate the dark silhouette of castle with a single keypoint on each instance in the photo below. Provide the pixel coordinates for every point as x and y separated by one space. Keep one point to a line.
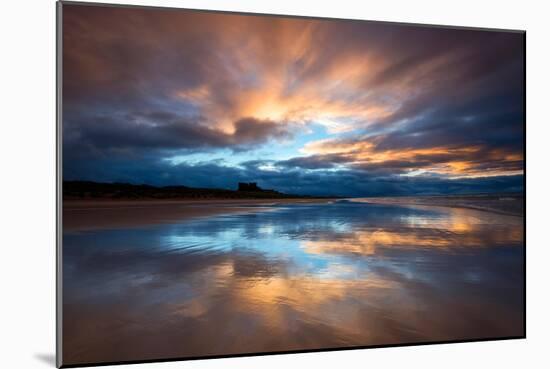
250 186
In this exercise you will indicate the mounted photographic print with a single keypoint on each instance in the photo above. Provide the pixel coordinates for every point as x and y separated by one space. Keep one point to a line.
240 184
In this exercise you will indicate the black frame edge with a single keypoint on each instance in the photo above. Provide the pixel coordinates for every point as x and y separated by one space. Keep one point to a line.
58 185
291 352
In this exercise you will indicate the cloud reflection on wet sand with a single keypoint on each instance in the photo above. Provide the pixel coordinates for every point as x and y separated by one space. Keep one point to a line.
304 276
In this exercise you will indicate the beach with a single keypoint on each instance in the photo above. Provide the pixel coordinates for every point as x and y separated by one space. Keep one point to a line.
154 279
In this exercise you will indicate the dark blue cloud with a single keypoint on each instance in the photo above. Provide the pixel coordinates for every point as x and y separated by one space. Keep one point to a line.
122 118
289 180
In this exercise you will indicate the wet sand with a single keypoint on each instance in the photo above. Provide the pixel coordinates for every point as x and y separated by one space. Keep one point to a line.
83 215
260 277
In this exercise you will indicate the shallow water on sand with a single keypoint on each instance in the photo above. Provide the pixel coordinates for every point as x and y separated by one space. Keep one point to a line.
296 276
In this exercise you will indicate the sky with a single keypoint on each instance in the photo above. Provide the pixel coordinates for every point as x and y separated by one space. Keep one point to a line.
299 105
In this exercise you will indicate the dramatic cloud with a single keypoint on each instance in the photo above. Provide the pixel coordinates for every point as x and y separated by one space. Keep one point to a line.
289 180
149 93
162 130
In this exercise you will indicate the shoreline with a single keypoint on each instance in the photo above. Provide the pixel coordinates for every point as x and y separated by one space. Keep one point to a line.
511 206
86 215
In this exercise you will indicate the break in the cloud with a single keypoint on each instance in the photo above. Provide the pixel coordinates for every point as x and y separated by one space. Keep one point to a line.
207 99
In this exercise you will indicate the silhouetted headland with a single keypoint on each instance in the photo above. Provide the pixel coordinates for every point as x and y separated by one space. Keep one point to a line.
87 190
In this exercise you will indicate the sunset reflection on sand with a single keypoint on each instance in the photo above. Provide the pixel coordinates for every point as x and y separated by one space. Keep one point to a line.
300 276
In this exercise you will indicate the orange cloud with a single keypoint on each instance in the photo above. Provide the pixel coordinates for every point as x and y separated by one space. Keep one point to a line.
454 162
